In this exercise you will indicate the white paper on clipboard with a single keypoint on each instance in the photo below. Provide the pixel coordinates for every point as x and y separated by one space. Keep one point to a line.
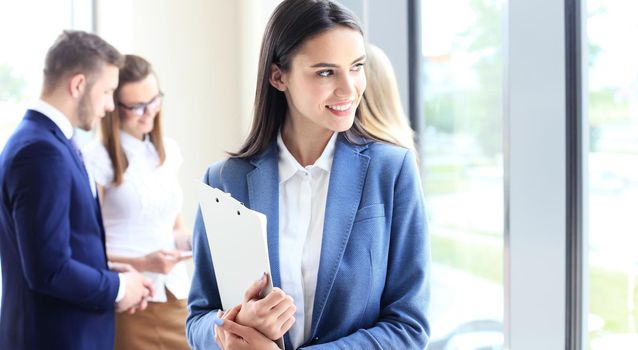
237 242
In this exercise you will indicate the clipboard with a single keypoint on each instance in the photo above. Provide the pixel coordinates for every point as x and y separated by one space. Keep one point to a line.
237 238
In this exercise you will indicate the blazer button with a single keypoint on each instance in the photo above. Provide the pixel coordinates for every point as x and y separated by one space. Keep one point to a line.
315 340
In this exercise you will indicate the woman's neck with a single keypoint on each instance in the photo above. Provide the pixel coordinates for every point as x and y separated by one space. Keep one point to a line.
304 144
138 136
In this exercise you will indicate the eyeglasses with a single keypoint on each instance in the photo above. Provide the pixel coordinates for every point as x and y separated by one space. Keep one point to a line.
139 109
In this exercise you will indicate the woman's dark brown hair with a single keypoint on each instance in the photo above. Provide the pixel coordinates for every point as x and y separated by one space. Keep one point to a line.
292 23
135 69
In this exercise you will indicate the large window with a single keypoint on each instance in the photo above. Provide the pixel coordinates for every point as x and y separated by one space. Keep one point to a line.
612 188
462 163
27 30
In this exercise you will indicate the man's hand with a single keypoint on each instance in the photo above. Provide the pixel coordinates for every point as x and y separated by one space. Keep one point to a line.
138 290
272 315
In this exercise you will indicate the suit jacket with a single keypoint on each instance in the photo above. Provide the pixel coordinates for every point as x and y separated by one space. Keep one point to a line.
372 287
57 292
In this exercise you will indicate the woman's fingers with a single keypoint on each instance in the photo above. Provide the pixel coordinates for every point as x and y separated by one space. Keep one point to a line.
218 331
237 329
232 313
285 308
253 291
286 326
273 299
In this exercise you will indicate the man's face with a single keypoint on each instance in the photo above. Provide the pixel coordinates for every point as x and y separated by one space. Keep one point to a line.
97 98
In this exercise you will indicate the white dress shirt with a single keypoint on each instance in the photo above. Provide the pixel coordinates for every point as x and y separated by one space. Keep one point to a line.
139 215
302 205
66 127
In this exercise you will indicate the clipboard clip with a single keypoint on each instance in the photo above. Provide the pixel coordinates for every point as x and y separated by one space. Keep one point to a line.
228 194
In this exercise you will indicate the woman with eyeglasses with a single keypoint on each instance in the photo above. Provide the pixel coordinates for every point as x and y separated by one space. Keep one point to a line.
135 168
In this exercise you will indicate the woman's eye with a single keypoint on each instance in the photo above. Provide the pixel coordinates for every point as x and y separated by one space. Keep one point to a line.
357 67
325 73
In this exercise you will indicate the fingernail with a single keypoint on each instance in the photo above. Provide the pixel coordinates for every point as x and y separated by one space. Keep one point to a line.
261 277
219 321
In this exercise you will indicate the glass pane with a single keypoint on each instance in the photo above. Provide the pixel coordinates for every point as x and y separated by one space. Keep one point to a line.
463 170
612 187
22 56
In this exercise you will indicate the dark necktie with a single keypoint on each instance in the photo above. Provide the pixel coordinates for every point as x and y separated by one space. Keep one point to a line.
78 153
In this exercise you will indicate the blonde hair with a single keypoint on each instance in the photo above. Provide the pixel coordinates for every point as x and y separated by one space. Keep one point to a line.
381 111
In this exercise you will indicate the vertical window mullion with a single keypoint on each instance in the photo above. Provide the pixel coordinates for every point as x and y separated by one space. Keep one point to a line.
574 176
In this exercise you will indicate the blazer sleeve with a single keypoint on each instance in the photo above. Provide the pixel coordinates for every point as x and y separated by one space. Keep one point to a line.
402 323
39 179
203 300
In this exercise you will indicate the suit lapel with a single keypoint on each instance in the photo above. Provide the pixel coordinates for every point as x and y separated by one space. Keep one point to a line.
263 196
47 123
347 177
98 213
43 120
78 161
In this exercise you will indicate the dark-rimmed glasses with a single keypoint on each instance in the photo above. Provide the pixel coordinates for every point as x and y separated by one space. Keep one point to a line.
139 109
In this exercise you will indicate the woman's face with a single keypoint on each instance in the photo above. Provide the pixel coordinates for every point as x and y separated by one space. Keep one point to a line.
139 103
325 82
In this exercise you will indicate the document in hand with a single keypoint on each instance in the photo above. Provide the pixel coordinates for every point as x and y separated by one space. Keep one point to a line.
237 241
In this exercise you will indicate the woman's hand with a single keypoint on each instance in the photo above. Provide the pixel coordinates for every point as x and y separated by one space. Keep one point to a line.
183 237
162 261
272 315
231 335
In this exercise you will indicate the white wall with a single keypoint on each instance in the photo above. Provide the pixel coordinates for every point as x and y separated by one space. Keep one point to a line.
205 54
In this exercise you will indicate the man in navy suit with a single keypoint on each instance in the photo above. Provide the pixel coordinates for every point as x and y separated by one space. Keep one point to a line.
58 291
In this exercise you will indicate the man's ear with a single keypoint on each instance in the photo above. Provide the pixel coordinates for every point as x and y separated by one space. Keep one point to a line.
276 78
77 85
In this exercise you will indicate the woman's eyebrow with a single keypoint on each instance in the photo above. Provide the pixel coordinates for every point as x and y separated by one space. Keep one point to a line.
332 65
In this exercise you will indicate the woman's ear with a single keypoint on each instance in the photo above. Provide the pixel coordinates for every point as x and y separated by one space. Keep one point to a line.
276 78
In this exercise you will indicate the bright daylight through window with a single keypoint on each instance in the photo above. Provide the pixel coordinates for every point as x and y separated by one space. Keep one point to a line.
463 170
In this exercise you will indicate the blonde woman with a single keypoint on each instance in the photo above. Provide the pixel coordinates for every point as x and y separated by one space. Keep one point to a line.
136 170
381 110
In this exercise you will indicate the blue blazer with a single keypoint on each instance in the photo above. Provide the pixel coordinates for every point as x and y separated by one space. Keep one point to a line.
57 292
372 288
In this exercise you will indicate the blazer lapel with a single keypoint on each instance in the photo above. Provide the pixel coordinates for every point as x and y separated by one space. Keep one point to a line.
98 213
47 123
263 196
78 161
74 154
347 176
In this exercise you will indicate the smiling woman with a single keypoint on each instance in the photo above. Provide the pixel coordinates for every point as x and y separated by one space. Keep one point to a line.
347 238
323 88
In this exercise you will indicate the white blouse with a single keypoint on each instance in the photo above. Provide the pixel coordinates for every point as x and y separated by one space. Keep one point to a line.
302 203
139 215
